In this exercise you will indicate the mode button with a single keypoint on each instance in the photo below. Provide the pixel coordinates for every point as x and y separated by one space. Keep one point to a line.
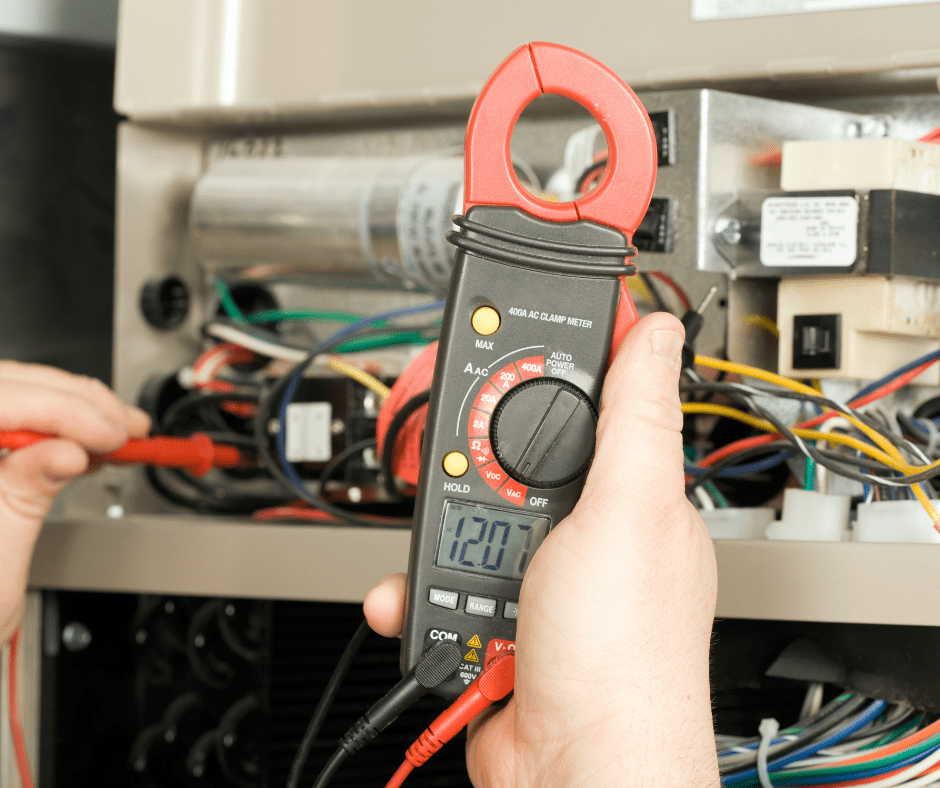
441 598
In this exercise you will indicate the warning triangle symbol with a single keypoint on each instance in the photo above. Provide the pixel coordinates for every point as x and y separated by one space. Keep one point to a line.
471 656
474 642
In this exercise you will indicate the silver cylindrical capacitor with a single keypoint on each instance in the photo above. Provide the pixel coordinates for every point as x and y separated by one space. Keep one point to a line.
339 220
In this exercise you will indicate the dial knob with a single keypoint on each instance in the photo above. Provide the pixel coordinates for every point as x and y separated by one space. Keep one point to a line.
542 432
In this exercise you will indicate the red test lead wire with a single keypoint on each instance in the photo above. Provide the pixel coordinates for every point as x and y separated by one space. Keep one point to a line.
197 454
495 683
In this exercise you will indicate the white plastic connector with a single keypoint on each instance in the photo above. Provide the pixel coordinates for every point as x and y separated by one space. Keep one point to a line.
860 164
884 322
894 521
812 517
738 523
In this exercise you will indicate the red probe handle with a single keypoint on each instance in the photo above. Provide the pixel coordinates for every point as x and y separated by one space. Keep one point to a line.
196 454
623 196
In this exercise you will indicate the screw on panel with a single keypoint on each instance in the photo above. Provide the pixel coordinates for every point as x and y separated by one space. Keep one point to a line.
728 231
76 636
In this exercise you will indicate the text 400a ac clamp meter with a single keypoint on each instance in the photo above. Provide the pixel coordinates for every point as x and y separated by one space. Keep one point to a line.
536 302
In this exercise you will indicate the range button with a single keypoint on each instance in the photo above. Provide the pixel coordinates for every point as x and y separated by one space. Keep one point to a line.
480 606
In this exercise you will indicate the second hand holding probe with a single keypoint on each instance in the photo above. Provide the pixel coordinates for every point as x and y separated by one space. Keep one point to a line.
197 454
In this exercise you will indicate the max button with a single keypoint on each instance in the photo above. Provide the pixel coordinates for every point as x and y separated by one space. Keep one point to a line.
480 606
441 598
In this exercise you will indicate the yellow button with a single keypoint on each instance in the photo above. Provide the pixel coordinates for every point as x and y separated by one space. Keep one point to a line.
455 464
485 320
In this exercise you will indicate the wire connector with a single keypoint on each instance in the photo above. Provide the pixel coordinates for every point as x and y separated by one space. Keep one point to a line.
437 665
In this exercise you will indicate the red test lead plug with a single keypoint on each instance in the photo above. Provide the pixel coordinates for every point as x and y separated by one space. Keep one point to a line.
197 454
494 684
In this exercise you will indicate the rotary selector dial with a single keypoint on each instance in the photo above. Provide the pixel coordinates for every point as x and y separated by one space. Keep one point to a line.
542 432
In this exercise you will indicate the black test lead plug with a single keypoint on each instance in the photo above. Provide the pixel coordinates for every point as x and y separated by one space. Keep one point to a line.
692 320
437 665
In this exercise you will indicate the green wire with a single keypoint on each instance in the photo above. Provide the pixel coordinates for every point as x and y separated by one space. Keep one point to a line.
809 477
276 315
895 734
228 303
715 493
386 340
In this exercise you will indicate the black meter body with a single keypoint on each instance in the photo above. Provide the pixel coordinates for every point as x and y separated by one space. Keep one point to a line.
536 300
520 404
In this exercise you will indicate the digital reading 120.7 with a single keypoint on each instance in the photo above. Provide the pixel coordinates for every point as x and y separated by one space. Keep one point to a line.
486 541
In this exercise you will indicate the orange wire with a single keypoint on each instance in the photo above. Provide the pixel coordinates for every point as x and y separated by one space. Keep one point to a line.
19 741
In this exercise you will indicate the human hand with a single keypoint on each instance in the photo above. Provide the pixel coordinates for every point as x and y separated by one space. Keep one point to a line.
88 417
615 612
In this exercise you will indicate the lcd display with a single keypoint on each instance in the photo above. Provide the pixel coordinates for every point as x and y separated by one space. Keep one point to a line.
491 542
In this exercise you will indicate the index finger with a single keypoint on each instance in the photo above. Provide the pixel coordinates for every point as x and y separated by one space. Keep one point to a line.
134 420
56 412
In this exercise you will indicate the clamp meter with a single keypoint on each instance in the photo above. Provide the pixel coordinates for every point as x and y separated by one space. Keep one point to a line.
536 306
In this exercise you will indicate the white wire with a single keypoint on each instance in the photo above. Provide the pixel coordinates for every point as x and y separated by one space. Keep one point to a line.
704 499
822 473
768 730
258 345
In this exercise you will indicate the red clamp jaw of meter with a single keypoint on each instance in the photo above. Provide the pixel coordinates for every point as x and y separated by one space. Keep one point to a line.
623 196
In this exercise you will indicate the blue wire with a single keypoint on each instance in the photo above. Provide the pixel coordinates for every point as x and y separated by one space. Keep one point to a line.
844 777
810 749
897 373
291 388
743 470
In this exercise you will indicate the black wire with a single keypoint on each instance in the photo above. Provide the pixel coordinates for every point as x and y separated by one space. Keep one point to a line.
823 458
204 498
326 700
331 768
582 179
388 445
654 292
191 403
340 459
745 454
273 465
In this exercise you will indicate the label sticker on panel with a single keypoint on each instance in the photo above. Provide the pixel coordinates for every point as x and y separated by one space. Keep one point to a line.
809 232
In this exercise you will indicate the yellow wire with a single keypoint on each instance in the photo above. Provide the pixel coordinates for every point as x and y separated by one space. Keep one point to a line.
802 388
762 321
831 437
901 464
360 376
638 286
816 384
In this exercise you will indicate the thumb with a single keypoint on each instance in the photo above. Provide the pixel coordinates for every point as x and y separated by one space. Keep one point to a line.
29 480
638 457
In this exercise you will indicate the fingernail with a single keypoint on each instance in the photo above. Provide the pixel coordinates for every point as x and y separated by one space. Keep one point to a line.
667 347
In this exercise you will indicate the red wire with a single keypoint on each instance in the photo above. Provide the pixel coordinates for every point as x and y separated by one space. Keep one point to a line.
399 777
19 742
494 683
931 136
674 286
760 440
